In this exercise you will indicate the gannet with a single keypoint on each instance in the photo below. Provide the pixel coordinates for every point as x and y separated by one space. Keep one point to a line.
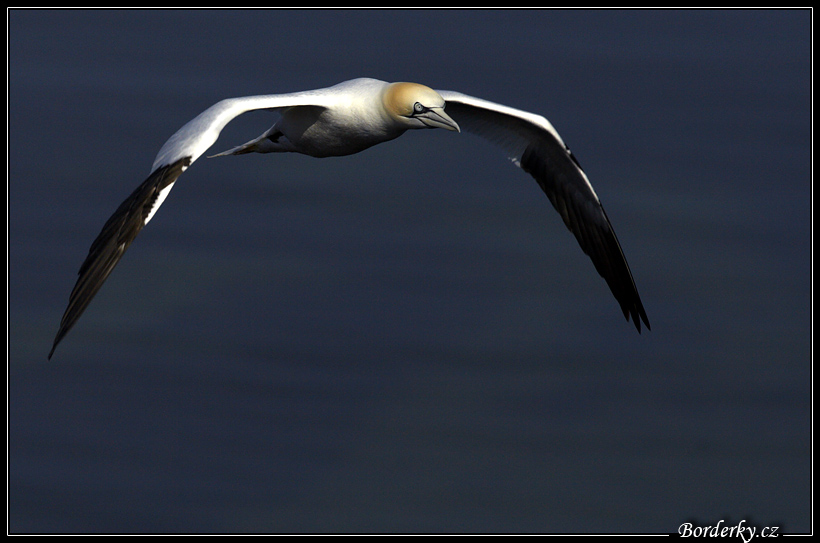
348 118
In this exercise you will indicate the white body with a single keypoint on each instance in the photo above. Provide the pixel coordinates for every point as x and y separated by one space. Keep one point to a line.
348 118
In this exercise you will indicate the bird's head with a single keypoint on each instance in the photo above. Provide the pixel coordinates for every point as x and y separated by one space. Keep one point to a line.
417 106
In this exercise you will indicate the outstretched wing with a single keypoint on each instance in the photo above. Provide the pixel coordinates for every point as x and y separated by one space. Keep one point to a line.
179 152
117 234
536 147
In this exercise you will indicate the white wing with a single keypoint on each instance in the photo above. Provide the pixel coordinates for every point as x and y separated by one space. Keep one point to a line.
179 152
530 139
535 146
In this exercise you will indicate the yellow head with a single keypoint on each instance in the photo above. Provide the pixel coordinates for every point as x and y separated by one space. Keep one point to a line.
417 106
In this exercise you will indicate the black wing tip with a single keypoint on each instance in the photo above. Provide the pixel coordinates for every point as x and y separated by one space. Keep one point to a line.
637 315
61 333
646 322
110 245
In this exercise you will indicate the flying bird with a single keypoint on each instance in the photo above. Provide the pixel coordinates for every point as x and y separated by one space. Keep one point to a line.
348 118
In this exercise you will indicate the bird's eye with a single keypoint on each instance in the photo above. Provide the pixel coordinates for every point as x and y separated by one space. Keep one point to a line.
418 108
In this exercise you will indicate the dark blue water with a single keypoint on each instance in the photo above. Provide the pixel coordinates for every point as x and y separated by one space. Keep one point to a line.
408 339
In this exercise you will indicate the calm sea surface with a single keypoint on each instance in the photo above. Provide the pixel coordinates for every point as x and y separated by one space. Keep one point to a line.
408 339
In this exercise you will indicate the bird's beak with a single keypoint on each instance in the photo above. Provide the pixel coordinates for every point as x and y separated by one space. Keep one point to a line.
436 118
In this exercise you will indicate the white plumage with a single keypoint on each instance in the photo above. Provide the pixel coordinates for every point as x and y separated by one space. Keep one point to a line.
348 118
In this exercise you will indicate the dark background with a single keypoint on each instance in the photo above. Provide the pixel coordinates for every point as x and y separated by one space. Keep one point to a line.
408 339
